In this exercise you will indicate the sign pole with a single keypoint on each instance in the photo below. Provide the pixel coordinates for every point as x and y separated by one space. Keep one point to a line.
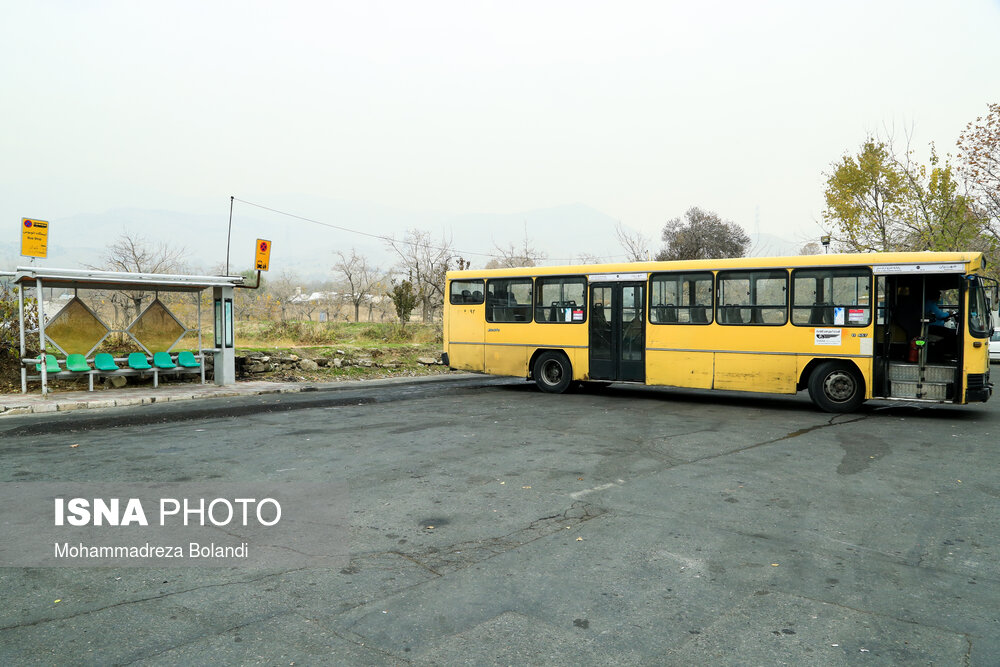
41 336
229 235
20 319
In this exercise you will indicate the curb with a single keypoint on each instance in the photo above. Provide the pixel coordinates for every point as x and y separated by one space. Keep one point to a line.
53 405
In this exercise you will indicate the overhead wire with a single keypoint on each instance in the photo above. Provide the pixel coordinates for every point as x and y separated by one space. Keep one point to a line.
390 239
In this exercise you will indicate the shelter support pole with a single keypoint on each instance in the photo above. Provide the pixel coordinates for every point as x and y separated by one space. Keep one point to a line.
41 335
225 336
201 352
20 319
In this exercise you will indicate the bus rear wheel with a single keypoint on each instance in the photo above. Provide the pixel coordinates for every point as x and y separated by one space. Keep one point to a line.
553 372
835 386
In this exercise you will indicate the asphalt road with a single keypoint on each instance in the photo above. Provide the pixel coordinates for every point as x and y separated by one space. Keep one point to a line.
626 526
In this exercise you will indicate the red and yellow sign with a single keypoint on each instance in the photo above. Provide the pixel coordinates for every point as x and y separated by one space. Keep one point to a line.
34 238
263 255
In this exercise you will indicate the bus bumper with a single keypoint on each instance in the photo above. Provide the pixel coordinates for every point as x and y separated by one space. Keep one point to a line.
978 388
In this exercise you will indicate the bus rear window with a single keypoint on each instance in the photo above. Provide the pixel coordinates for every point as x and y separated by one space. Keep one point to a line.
466 291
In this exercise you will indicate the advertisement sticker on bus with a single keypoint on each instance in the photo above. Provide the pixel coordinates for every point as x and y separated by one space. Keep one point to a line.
826 337
856 315
838 316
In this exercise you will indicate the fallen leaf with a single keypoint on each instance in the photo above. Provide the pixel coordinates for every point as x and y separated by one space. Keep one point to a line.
76 445
525 487
579 539
774 564
430 527
57 601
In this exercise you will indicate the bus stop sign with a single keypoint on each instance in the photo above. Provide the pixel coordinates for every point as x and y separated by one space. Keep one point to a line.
263 255
34 238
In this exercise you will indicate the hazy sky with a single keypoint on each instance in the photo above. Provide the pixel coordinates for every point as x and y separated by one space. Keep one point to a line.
637 109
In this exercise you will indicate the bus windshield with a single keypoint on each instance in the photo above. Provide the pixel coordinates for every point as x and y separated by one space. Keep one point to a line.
980 321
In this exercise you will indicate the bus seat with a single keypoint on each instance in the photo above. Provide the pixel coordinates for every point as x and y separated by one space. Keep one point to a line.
733 316
699 315
820 314
466 296
477 296
668 314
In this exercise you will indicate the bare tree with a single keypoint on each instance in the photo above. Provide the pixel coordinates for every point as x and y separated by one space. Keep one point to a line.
811 248
361 278
281 290
515 255
979 156
634 243
424 263
132 253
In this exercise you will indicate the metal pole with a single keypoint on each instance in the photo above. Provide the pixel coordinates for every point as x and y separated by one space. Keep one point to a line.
20 319
201 355
229 235
41 334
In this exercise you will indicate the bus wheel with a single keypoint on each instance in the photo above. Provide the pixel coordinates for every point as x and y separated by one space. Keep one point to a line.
835 386
553 373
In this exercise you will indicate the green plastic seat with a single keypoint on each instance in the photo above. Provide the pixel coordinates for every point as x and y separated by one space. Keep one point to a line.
186 359
51 364
138 361
105 362
163 360
77 363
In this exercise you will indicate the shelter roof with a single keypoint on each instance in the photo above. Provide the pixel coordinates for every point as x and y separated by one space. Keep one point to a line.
116 280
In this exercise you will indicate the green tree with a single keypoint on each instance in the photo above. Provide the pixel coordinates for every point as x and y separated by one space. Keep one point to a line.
879 201
702 235
937 216
865 196
405 299
10 340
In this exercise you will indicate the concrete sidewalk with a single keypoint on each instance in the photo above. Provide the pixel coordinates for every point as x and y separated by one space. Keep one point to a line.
64 401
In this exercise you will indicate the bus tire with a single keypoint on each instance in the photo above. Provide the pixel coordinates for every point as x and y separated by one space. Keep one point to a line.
836 386
552 372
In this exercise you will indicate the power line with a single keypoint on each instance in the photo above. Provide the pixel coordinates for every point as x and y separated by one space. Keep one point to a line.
387 239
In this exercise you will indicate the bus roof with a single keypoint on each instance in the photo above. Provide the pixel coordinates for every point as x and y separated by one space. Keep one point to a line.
973 260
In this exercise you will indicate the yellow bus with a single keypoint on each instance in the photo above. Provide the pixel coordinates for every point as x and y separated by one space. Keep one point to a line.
847 327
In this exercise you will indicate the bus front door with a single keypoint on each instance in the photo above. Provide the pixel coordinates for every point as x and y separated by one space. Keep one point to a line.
618 331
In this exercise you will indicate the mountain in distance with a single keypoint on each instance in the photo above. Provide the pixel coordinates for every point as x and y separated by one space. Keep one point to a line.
305 242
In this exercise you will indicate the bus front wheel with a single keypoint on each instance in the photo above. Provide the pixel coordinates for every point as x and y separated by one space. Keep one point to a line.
553 373
835 386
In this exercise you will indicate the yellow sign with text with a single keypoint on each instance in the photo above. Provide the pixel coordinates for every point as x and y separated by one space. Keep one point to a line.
263 255
34 238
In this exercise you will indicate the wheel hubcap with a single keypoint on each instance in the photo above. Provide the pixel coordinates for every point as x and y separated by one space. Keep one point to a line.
552 372
839 386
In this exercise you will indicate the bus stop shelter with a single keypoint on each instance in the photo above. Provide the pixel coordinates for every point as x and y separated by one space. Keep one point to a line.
79 322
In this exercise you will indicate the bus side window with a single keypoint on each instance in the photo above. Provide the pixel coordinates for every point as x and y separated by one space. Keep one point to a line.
839 297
